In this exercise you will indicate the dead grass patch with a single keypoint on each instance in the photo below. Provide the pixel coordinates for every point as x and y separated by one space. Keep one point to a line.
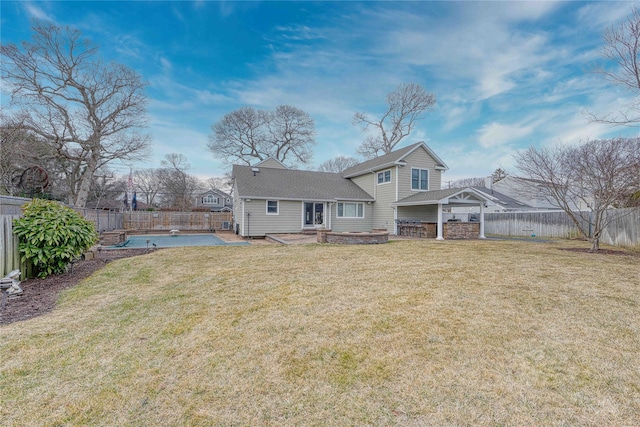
407 333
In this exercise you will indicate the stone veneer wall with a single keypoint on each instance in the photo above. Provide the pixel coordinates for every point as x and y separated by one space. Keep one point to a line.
110 238
354 238
321 235
430 230
461 230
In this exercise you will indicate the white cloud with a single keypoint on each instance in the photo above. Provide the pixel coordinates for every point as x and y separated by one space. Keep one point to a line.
482 44
496 134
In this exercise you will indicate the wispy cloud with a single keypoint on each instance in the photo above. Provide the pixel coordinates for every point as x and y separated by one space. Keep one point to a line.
496 134
299 33
36 12
598 15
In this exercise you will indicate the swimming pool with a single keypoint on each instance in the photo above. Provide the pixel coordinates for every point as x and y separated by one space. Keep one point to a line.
166 241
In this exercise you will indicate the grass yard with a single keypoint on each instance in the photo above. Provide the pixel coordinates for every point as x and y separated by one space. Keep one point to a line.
409 333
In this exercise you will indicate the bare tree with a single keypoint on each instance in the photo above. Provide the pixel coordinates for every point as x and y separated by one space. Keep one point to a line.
248 135
106 187
178 186
21 153
467 182
292 134
621 47
338 164
148 184
405 106
220 183
599 174
89 111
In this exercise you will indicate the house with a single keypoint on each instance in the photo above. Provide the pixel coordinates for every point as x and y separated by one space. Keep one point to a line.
530 192
499 203
215 200
376 194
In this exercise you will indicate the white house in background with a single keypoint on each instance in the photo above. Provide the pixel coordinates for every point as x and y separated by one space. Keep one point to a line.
403 185
528 191
498 203
215 200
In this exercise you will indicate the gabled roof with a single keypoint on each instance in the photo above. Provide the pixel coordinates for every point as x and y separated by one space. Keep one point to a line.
447 197
390 159
502 200
216 191
271 162
290 184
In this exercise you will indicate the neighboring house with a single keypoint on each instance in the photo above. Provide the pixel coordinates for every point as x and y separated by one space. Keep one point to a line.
528 191
498 203
215 200
402 185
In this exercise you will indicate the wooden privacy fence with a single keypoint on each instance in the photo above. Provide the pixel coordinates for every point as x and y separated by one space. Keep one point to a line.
103 220
162 220
623 230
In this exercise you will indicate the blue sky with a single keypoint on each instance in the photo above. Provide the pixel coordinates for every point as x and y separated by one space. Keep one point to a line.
507 75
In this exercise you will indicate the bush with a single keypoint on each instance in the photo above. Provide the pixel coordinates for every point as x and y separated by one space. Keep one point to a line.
52 235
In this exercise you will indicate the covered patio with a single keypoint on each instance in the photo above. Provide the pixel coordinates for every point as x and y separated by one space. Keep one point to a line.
421 214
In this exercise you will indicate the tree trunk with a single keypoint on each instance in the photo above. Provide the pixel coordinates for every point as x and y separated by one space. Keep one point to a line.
85 182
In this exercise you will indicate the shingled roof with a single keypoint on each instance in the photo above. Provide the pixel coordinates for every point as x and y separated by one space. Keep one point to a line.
438 196
504 201
389 160
289 184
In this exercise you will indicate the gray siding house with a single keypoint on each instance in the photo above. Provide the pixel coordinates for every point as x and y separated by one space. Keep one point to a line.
215 200
402 185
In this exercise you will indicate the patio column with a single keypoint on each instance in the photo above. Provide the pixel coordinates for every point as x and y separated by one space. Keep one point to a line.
482 236
440 227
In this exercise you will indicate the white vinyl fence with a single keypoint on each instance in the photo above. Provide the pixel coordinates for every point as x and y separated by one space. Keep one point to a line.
623 230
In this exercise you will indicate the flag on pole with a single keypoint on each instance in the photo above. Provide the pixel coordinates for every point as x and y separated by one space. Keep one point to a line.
134 202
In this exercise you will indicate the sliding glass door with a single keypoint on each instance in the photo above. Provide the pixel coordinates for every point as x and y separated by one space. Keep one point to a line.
313 214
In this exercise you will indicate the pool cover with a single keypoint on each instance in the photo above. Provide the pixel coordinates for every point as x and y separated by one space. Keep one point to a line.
166 241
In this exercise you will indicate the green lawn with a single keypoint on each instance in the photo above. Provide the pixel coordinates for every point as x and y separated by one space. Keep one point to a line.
406 333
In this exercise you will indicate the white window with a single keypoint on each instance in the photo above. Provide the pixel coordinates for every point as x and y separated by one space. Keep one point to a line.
272 207
350 210
384 177
210 200
419 179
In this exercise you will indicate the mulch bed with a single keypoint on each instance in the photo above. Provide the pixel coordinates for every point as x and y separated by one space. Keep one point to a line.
40 295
